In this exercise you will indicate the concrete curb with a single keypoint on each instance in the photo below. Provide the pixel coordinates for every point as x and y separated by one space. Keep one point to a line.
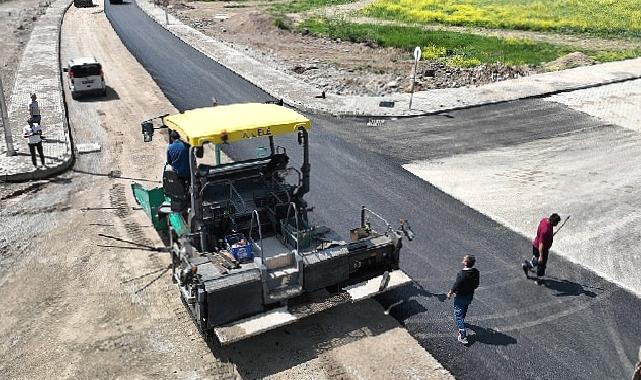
68 158
300 95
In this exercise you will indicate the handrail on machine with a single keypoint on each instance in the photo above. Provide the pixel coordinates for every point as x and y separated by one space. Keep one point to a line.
293 205
260 233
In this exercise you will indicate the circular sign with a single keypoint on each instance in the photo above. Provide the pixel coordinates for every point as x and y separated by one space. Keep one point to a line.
417 53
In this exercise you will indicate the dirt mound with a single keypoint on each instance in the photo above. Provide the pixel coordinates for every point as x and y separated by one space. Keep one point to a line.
180 6
569 61
250 22
240 22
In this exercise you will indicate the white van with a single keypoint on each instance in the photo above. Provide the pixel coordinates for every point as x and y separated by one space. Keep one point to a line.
85 77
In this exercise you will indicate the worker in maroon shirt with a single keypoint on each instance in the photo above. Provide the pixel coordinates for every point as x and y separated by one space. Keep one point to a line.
541 247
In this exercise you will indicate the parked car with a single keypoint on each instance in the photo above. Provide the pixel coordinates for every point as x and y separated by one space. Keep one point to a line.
85 77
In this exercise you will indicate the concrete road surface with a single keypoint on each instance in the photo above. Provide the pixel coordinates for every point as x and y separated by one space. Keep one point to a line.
576 326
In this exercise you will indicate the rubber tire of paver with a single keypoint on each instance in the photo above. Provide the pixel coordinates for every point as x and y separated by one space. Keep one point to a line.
74 95
103 93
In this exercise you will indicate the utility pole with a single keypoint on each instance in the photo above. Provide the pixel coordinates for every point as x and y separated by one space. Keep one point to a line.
5 123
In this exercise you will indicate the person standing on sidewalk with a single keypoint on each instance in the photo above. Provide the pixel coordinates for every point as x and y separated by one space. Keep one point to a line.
541 247
34 110
32 133
467 280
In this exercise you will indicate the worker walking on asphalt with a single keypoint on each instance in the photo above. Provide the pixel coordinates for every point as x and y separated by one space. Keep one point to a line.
541 247
178 157
32 132
34 110
467 280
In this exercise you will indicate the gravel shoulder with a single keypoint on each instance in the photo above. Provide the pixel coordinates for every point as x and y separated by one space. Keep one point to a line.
79 300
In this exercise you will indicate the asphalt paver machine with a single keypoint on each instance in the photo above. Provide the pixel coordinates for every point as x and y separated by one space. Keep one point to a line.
245 256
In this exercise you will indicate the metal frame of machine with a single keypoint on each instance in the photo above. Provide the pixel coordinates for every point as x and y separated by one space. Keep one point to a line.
244 254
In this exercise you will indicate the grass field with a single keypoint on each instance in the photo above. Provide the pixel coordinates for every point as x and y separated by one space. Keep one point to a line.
603 17
453 48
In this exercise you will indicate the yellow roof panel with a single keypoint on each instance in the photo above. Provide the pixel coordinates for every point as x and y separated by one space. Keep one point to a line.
236 122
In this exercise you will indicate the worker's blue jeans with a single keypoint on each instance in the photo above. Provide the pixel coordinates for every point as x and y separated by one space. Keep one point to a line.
461 304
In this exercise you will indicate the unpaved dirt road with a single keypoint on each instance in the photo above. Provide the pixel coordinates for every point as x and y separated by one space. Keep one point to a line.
73 304
79 300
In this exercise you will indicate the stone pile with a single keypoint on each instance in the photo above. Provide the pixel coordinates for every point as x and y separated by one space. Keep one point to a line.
430 75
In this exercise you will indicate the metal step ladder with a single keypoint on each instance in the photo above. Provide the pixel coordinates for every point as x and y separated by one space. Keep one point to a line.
281 273
283 277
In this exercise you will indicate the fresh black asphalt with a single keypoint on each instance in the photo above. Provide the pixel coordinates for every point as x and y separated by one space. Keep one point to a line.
575 326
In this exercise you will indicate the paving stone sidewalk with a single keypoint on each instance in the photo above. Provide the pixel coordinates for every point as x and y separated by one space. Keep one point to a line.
303 96
618 104
39 73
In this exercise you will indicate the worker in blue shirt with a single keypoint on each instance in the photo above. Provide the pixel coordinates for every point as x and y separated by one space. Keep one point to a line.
178 156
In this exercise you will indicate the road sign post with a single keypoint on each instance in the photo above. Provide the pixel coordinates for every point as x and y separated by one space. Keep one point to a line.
165 4
417 57
5 123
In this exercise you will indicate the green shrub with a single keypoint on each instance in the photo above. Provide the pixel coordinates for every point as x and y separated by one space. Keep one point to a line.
282 23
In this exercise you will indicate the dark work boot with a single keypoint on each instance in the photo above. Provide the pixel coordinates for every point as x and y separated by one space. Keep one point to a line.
526 268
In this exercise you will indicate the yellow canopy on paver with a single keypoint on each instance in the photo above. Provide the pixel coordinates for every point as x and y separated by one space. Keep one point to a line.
235 122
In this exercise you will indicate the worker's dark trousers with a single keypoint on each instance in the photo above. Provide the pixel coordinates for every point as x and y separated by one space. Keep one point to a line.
32 150
536 263
461 303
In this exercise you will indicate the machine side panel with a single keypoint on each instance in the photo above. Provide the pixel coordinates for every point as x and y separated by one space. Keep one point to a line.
325 268
235 297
